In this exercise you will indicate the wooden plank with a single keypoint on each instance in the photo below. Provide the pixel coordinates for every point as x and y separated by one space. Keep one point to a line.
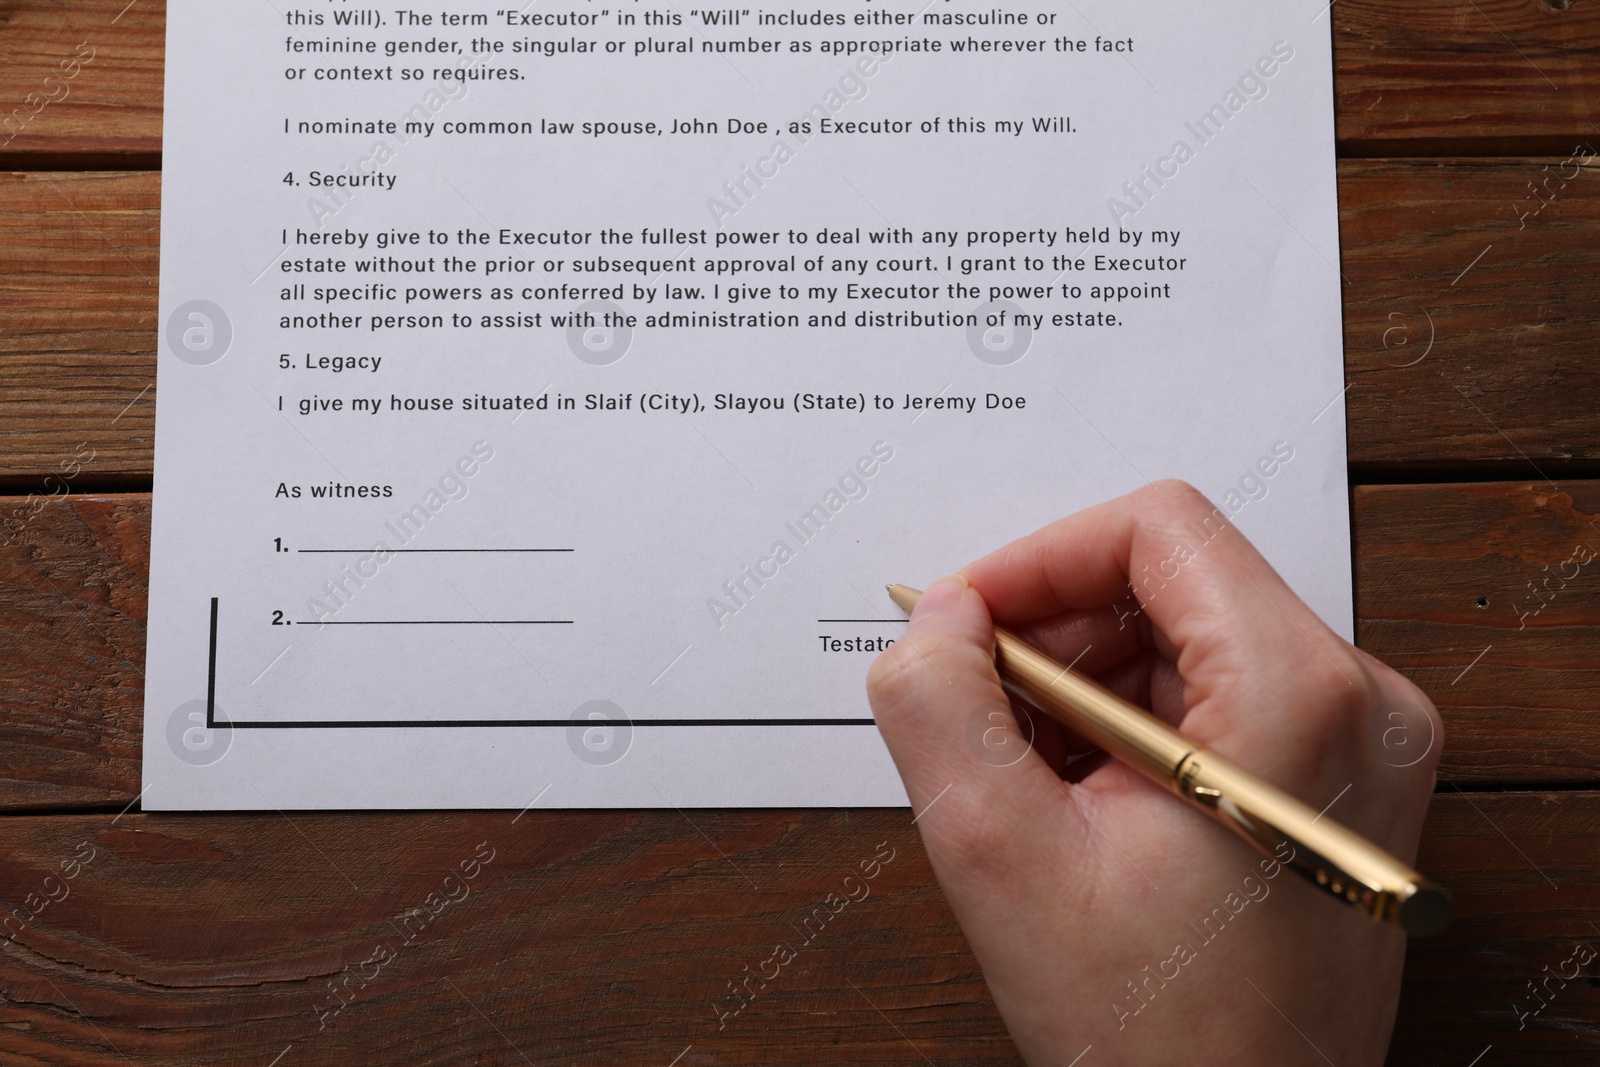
1481 595
82 81
1470 304
1432 251
72 597
1522 868
1430 77
78 324
1490 77
73 578
607 937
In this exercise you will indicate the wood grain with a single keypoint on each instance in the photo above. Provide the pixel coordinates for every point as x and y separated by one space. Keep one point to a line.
73 583
1430 77
72 598
1521 868
1471 305
1448 366
1477 593
78 323
54 103
606 937
1440 77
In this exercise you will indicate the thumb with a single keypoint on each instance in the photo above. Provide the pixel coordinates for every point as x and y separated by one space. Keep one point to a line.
975 787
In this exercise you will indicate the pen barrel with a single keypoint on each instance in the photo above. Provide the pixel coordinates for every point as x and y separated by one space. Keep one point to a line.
1326 853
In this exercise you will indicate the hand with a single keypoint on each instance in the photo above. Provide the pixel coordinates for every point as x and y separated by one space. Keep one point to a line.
1103 910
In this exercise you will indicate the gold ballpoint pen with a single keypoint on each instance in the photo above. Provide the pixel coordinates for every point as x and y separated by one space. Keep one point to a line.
1329 855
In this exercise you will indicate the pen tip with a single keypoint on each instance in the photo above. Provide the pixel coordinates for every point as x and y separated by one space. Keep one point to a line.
889 588
904 597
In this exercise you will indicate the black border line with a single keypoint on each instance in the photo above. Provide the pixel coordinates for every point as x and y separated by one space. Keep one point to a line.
469 724
211 673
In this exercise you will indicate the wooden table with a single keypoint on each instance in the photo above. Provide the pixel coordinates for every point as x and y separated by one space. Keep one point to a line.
1472 267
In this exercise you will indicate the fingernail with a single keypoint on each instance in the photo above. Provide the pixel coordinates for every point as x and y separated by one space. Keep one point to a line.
942 595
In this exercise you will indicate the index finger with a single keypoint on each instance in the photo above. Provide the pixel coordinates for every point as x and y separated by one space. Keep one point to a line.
1166 545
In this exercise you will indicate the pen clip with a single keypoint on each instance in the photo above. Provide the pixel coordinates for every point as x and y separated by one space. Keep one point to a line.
1273 841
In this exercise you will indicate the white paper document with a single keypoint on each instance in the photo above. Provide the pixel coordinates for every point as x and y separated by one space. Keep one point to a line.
547 393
